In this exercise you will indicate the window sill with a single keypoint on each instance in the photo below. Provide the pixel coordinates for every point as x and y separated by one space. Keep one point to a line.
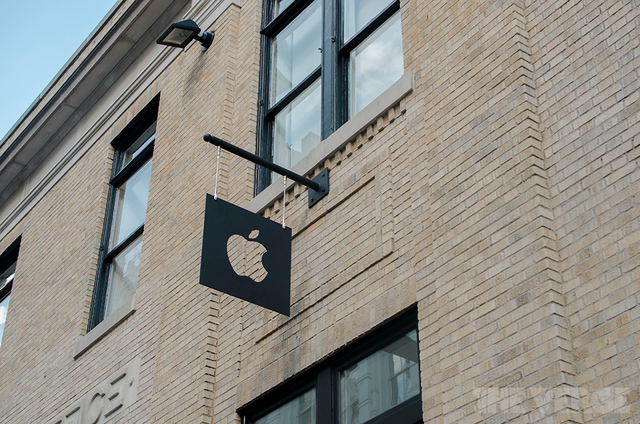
105 327
336 141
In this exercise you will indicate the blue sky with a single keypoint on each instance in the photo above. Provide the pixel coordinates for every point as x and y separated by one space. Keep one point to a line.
38 37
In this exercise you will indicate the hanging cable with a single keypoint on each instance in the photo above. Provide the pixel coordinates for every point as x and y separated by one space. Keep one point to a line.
215 190
284 199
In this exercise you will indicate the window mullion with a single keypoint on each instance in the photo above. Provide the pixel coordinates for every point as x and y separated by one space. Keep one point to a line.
264 145
277 23
132 167
329 67
124 243
96 313
291 96
325 394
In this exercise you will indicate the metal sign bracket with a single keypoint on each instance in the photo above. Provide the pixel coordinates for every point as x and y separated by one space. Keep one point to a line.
318 186
323 181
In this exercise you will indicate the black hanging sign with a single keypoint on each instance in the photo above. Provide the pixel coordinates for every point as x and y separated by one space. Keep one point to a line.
232 237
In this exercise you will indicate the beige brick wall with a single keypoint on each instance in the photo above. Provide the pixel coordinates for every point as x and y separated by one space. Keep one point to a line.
586 61
501 196
493 329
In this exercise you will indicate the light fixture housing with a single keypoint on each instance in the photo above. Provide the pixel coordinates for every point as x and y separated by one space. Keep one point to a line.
181 33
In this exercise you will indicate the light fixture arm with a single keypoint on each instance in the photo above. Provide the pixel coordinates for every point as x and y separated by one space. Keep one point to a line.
205 39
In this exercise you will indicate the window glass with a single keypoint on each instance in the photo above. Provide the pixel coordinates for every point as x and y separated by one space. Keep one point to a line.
123 281
375 64
138 146
4 307
358 13
301 410
281 5
297 127
380 381
6 278
131 204
7 275
295 52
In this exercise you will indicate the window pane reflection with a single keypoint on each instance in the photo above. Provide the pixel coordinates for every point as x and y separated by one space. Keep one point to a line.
301 410
380 381
4 307
297 127
296 52
131 204
375 64
138 146
358 13
124 276
5 278
281 5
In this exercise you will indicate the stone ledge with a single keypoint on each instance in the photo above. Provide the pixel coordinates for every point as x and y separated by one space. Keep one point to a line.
336 141
105 327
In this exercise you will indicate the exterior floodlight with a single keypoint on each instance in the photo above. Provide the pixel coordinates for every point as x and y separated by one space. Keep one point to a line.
181 33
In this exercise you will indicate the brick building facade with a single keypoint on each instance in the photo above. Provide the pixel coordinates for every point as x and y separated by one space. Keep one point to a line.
483 209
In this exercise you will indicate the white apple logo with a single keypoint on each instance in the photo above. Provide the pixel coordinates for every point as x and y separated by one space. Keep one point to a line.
245 256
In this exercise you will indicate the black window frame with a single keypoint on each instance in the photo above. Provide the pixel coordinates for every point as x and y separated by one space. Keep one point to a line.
333 71
7 259
120 175
324 376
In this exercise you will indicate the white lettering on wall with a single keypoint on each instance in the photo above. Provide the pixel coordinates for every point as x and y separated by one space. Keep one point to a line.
106 399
